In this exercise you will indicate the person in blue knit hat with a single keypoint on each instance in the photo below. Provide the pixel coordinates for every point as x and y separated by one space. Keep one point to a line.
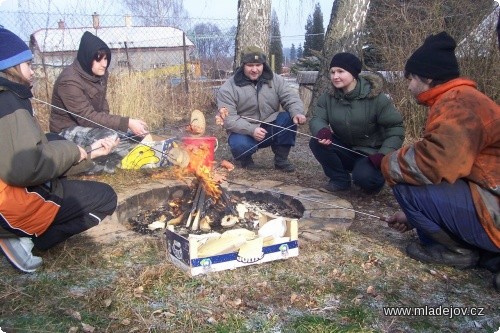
39 206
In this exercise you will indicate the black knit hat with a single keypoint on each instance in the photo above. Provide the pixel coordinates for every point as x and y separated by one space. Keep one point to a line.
435 59
347 61
253 54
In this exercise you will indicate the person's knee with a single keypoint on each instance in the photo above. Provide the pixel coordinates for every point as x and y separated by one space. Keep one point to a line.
241 145
284 119
111 202
368 178
315 146
400 190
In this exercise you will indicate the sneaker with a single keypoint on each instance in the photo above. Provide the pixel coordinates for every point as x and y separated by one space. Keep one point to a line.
330 187
18 252
439 254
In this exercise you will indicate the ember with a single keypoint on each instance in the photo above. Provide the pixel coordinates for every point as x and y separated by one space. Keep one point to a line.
183 210
213 222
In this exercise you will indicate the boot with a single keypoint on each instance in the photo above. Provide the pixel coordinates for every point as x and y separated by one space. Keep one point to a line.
281 158
452 245
490 261
439 254
247 163
445 251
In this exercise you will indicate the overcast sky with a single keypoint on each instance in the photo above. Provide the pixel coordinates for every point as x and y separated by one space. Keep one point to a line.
292 14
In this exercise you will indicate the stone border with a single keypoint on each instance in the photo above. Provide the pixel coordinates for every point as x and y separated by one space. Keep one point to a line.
322 211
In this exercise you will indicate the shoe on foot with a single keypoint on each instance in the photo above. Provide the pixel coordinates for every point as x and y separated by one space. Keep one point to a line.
284 166
247 163
439 254
18 252
490 261
330 187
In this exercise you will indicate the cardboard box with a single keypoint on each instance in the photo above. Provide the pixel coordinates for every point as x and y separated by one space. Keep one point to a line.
183 253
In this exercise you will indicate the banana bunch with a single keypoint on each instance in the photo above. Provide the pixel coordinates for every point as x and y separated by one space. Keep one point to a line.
139 157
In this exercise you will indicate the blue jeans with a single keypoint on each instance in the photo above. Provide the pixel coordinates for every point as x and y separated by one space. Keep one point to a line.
443 207
243 146
338 163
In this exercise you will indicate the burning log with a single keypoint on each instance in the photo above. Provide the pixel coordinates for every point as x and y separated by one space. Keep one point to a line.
199 208
228 202
194 205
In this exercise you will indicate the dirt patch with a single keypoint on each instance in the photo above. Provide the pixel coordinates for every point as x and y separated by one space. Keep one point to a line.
308 174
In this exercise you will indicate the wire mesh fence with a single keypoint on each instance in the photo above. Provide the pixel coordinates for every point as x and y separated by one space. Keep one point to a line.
200 48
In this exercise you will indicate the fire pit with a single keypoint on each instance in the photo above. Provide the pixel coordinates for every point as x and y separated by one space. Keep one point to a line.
265 226
318 215
209 227
188 204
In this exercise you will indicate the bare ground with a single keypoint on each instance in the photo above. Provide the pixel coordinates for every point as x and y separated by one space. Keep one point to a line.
111 279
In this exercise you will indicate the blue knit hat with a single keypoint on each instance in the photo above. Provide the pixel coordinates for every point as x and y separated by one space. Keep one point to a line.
13 51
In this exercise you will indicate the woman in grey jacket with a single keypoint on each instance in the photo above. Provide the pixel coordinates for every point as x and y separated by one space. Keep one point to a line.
355 115
38 205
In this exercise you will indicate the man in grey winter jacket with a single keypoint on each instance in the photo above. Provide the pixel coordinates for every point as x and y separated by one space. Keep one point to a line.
256 105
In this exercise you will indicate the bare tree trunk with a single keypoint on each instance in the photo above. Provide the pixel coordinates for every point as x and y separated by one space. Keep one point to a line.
254 26
343 34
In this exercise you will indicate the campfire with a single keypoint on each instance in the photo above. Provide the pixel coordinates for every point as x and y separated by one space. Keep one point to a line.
214 221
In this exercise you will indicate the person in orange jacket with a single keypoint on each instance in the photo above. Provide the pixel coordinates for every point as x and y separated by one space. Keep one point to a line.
448 183
39 205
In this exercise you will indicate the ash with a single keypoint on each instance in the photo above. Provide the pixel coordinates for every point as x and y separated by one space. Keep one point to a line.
215 210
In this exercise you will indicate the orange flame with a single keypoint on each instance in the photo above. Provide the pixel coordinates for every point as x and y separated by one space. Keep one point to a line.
201 166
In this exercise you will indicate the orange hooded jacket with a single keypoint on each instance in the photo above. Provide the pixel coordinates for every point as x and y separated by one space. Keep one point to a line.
461 140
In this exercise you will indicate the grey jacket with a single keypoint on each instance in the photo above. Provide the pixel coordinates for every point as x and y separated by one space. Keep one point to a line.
28 158
259 100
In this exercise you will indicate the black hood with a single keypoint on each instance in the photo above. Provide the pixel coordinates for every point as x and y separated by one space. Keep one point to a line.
89 45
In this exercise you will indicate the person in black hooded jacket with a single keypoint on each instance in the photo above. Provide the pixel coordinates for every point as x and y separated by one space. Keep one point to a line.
80 111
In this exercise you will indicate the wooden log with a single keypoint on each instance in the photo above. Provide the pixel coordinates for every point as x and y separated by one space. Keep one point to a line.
194 205
199 208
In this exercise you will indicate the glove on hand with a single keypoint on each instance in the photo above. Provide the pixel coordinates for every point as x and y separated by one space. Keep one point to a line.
325 134
376 159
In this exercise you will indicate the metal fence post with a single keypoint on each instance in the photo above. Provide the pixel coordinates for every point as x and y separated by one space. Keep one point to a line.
184 47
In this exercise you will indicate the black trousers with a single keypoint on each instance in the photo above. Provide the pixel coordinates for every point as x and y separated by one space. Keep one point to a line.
338 164
84 205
